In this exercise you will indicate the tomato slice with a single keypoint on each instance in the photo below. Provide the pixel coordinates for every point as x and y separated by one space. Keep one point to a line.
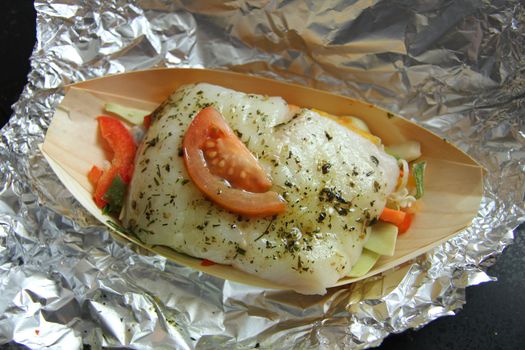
223 168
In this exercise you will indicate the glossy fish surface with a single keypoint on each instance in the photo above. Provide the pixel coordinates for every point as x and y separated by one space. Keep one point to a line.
335 182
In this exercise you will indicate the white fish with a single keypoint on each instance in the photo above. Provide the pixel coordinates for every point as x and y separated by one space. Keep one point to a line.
335 182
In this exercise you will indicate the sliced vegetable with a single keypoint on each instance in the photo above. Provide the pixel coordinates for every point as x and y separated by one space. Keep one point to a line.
206 262
94 175
405 225
358 123
393 216
355 124
103 185
221 166
418 172
121 143
382 239
147 121
132 115
123 146
114 196
410 150
366 261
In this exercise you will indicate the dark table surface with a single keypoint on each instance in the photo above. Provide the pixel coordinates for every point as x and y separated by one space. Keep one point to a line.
494 316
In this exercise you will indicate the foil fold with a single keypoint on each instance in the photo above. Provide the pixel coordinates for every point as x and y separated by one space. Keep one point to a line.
453 67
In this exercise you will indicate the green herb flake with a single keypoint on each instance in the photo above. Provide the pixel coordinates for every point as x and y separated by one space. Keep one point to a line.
240 251
115 196
325 168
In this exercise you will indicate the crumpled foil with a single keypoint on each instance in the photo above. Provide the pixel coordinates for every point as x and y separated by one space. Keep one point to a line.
455 67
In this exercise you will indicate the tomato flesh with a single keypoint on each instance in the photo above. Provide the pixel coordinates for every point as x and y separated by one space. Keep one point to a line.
221 166
228 158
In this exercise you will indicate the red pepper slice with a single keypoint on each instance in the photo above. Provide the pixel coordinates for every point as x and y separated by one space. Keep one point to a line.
124 149
103 185
122 144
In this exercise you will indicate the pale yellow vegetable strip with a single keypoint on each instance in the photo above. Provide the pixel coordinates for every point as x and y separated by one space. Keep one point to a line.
366 261
132 115
382 239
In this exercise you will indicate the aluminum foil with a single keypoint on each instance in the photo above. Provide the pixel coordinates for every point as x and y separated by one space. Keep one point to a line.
455 67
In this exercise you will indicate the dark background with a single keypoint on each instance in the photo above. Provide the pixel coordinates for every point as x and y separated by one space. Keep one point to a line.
494 316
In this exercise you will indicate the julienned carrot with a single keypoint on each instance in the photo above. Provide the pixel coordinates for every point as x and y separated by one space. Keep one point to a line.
406 223
393 216
94 175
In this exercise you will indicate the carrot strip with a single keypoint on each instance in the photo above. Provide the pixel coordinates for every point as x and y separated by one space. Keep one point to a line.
124 149
405 225
393 216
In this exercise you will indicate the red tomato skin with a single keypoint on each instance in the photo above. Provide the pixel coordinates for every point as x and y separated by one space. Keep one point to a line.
248 199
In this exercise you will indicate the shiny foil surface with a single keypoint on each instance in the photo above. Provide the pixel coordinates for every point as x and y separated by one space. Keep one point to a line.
455 67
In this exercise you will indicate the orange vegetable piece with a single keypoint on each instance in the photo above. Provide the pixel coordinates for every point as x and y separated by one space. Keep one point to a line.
405 225
94 175
393 216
